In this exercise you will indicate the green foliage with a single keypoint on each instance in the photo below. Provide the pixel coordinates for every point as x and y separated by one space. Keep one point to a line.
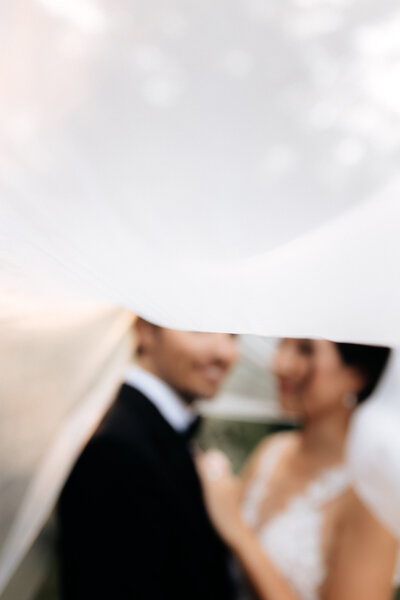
236 438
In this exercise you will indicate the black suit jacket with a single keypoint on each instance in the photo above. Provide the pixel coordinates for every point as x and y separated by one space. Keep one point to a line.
132 523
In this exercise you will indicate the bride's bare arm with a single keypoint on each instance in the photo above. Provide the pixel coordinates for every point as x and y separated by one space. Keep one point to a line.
363 558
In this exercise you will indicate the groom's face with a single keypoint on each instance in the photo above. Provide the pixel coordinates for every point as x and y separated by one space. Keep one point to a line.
194 364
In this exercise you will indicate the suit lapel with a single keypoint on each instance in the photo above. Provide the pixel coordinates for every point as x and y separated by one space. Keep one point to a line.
168 447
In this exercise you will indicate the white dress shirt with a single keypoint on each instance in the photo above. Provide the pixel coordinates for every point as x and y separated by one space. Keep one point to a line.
174 410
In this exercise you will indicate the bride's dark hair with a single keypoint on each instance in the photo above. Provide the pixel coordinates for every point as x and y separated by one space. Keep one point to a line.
369 360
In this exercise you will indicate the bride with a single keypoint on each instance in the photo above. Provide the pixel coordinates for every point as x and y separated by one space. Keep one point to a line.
292 519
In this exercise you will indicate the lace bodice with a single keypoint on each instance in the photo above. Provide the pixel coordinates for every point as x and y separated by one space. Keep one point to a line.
293 537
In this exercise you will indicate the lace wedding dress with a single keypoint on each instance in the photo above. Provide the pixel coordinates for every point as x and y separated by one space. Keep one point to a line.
293 538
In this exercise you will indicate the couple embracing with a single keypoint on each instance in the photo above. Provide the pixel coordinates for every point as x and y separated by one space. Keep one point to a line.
144 515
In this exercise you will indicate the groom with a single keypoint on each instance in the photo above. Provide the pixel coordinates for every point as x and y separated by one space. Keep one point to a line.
133 525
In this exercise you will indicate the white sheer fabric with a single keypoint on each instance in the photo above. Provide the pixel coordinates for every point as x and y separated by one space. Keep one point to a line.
59 371
374 449
155 156
192 162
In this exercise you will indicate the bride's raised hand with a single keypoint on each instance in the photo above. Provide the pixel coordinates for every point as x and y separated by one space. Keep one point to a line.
222 492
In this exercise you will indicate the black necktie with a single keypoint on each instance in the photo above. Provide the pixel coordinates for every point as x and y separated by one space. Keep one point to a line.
189 433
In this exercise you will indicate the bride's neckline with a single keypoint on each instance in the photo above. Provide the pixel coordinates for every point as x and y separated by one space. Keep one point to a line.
326 484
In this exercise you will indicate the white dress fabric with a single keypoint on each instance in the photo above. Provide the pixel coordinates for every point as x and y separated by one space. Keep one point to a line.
292 538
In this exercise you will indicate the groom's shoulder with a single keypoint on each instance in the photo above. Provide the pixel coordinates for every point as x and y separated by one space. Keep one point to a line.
106 459
106 472
128 418
119 454
124 433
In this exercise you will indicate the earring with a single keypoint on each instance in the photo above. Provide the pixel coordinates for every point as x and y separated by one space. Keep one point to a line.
350 400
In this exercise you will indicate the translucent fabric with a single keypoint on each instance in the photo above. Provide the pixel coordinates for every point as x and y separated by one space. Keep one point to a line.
374 449
211 165
60 370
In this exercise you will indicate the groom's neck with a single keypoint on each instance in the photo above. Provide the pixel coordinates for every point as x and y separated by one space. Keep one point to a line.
186 396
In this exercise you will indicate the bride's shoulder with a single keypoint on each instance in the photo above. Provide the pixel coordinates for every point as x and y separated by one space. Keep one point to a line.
356 514
267 445
360 533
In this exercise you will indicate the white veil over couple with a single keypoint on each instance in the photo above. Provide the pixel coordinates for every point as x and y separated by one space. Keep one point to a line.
154 160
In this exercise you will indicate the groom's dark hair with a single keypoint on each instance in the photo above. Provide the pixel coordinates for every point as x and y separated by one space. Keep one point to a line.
369 360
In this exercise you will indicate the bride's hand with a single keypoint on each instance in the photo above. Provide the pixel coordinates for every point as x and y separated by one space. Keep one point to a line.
221 493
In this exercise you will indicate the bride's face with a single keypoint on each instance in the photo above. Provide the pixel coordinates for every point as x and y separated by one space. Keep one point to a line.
330 381
312 378
292 367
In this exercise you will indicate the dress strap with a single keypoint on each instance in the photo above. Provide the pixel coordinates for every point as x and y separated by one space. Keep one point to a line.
259 484
329 485
271 456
